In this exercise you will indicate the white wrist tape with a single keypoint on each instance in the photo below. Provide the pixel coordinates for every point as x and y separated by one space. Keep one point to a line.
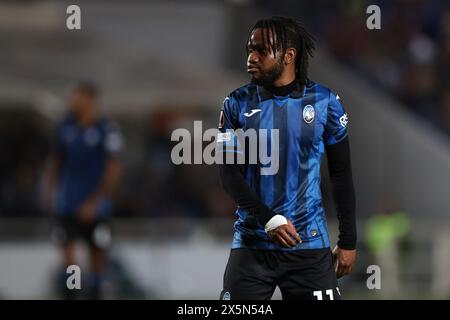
275 222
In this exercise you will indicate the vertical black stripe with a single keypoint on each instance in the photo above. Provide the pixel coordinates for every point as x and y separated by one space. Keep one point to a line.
254 122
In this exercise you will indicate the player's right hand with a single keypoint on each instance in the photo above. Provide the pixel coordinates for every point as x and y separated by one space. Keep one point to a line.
285 235
87 211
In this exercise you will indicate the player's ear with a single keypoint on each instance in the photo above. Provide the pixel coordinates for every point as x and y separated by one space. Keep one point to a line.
289 56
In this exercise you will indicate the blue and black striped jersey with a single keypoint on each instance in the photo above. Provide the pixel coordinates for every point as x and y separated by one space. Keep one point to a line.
307 119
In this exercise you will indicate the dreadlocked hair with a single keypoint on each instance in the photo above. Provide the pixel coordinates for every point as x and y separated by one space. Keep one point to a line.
287 33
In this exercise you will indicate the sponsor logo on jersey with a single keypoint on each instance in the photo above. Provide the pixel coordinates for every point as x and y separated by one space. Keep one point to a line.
247 114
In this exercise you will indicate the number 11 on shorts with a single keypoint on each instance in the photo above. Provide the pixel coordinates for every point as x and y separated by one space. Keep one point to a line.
319 295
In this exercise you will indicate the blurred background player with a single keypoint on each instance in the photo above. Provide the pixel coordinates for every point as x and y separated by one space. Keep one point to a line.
82 171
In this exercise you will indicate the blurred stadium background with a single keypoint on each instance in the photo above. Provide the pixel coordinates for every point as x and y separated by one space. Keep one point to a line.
160 66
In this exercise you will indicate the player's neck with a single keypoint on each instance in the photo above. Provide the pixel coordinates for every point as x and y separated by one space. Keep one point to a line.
286 78
87 119
283 90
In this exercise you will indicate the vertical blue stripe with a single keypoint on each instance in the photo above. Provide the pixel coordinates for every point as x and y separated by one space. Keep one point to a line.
267 181
306 141
252 173
294 117
313 192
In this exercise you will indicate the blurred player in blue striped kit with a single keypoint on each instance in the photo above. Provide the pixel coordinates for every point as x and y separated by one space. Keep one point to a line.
82 171
281 237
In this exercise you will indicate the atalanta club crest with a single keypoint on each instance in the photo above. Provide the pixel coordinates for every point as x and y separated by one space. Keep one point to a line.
226 296
308 113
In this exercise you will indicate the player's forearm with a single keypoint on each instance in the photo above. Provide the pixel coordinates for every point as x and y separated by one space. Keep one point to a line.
339 166
233 182
345 206
109 180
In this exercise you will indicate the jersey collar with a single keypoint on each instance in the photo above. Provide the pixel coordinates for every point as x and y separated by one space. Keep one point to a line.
265 94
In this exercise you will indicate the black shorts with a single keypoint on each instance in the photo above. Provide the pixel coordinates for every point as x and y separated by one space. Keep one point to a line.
97 233
303 274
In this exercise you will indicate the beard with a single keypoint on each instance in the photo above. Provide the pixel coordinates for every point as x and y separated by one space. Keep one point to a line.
267 78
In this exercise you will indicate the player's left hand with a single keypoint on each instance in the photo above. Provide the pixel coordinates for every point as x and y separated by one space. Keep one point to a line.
345 260
88 210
